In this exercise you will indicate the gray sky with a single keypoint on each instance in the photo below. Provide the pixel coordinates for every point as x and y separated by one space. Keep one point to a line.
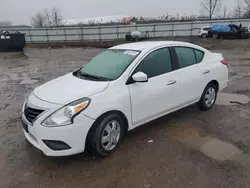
20 11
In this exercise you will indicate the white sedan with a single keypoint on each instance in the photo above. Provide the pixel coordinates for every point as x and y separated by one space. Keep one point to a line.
118 90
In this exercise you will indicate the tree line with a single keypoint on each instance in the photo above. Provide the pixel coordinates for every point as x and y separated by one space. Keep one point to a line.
209 11
47 18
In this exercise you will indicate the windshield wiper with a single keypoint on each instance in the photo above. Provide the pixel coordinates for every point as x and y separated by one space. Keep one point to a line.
89 76
92 77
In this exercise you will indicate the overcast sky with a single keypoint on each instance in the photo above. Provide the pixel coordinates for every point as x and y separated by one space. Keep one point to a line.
20 11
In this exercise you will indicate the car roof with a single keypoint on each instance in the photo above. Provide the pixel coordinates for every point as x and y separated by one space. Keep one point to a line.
206 27
150 45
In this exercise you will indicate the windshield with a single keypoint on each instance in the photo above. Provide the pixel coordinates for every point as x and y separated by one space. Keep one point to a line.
109 64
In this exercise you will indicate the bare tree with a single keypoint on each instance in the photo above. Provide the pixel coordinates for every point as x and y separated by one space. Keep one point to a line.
246 13
56 17
48 17
38 20
247 2
237 12
225 12
210 7
51 18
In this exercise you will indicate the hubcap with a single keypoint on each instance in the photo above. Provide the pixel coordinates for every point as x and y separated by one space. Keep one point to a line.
210 96
111 135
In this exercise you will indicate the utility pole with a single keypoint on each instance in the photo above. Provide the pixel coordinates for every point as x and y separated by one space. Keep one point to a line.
210 9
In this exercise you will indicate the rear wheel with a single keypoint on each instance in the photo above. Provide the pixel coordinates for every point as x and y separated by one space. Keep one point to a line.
107 134
208 97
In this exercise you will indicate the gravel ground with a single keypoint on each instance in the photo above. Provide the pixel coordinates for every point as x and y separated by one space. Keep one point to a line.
163 153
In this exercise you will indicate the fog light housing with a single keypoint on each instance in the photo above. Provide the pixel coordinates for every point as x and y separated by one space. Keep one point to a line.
56 145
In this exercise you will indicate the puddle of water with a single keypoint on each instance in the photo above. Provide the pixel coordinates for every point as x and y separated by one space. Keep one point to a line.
28 81
200 140
10 55
231 99
220 150
190 136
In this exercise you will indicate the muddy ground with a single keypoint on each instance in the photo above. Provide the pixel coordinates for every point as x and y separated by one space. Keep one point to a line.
186 149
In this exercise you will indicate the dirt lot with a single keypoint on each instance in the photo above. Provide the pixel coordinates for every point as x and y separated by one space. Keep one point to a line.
186 149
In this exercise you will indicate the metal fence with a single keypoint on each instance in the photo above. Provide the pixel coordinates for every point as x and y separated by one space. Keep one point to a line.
117 32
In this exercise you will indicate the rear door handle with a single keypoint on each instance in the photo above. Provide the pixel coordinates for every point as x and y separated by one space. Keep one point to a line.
171 82
206 71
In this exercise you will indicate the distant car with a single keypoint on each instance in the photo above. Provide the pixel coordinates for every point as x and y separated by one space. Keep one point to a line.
120 89
228 31
5 32
247 28
136 36
203 33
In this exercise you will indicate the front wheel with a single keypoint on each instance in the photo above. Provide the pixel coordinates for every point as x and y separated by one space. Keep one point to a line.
215 36
107 134
204 35
208 97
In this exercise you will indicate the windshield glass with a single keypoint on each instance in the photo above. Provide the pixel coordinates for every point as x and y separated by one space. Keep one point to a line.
109 64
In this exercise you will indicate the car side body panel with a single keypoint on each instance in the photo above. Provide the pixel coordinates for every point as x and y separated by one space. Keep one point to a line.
118 96
115 98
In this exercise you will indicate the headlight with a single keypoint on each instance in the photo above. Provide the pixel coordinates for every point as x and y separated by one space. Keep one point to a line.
65 115
24 103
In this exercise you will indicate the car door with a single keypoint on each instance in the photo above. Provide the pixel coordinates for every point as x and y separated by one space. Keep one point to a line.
191 73
160 94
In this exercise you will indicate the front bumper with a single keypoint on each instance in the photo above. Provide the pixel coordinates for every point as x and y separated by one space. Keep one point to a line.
72 135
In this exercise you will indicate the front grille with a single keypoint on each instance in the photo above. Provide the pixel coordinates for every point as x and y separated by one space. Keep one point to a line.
32 113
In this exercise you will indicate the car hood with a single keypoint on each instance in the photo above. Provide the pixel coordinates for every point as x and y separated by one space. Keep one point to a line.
68 88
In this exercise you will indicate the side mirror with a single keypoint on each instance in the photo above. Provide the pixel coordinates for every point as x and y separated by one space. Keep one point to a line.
140 77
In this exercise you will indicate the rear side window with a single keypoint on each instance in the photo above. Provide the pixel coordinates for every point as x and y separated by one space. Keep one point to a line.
199 55
206 28
156 63
186 56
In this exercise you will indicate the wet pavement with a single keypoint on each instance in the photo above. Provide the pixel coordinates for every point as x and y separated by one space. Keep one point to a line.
231 99
188 148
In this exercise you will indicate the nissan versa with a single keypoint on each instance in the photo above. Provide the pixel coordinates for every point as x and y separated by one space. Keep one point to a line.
118 90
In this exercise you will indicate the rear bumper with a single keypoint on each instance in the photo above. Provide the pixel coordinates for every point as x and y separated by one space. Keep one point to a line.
223 87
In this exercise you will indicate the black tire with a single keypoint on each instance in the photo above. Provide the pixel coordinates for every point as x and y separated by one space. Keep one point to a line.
204 35
95 138
202 103
215 36
128 37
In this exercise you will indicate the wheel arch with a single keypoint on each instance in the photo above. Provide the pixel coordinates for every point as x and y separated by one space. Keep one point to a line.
121 114
216 83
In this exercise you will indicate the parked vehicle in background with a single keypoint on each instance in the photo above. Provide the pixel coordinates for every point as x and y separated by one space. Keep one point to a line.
247 28
136 36
228 31
203 33
118 90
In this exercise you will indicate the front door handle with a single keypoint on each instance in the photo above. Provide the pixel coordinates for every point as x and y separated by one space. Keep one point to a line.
171 82
206 71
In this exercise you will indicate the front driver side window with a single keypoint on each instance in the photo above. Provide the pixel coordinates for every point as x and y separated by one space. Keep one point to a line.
156 63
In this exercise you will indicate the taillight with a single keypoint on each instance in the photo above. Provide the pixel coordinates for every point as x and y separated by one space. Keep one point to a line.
224 62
